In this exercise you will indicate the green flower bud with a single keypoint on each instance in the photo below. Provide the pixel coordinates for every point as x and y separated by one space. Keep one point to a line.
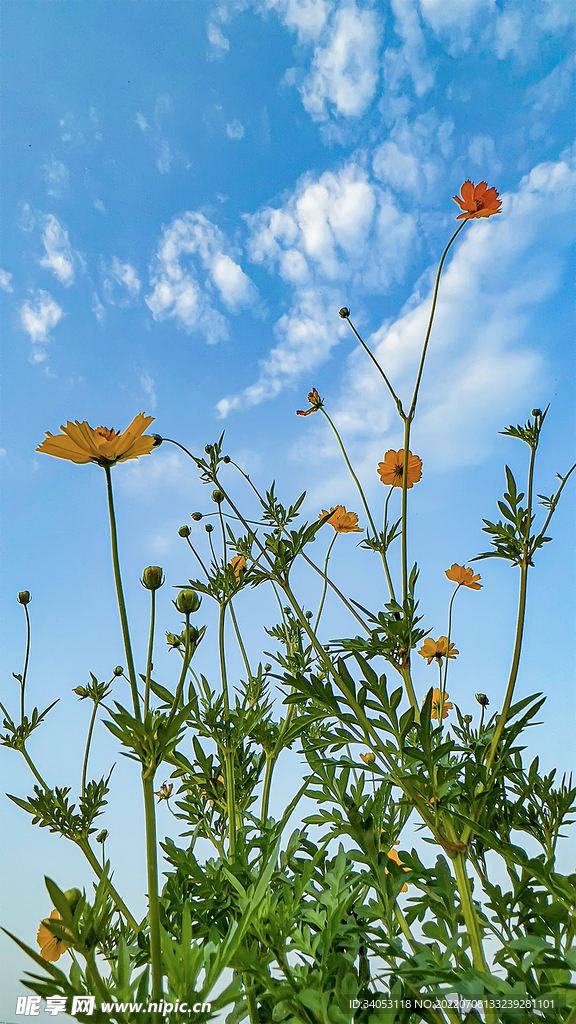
118 671
208 449
267 666
193 635
172 640
184 531
81 691
217 496
157 440
226 459
208 527
73 896
467 719
344 312
24 597
536 412
187 602
152 577
102 836
482 700
196 516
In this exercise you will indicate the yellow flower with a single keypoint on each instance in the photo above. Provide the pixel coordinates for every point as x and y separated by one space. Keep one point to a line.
315 402
446 705
368 758
80 443
238 564
165 791
464 576
341 520
391 470
437 649
51 948
393 855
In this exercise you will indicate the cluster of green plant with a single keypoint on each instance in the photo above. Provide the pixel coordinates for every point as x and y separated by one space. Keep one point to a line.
296 927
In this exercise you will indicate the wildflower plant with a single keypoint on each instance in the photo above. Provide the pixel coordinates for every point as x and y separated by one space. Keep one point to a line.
331 922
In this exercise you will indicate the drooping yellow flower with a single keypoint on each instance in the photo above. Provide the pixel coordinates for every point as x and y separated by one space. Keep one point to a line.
393 855
81 443
477 201
368 758
464 576
446 705
315 402
437 649
51 948
238 564
165 791
391 471
341 520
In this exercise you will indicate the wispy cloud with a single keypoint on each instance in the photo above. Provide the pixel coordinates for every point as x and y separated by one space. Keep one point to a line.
5 279
97 308
165 158
121 284
235 129
59 258
148 385
413 157
408 60
38 316
142 122
344 71
57 177
218 41
176 290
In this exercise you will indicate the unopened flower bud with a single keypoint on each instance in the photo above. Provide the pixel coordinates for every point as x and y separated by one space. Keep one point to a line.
467 719
152 577
308 614
196 516
344 312
24 597
208 527
226 459
184 531
81 691
73 896
536 412
157 440
118 671
102 836
208 449
187 602
217 496
193 635
172 640
482 700
267 666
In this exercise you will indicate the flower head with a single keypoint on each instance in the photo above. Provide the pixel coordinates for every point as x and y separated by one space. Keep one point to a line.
393 855
165 791
315 401
437 649
341 520
436 698
482 700
80 443
477 201
51 947
368 758
391 470
238 564
464 576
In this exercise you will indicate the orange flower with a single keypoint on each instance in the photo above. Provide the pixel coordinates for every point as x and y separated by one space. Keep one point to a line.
446 705
437 649
51 948
477 201
165 791
80 443
368 758
238 564
315 402
392 469
341 520
464 576
393 855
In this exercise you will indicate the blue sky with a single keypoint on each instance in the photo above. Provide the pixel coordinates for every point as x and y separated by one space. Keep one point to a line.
191 191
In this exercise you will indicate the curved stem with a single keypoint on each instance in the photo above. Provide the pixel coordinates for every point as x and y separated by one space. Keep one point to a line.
384 555
443 682
88 742
351 471
150 649
121 907
325 586
378 367
120 596
26 659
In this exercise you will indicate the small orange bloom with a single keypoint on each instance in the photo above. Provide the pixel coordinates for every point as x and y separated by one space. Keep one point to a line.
315 402
437 649
446 705
165 791
238 564
341 520
477 201
392 469
81 443
393 855
51 948
368 758
464 576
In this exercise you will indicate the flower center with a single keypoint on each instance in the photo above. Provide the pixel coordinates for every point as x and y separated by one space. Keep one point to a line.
479 204
107 433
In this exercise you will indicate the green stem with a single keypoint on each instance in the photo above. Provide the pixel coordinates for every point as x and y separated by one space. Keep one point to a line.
88 742
34 769
120 596
121 907
443 682
150 649
152 874
404 538
325 585
240 640
228 753
471 921
271 762
513 669
378 367
186 658
250 1000
26 659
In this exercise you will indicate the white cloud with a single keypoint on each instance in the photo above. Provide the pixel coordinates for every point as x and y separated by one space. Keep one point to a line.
409 60
165 158
148 386
235 129
59 257
38 316
97 308
125 274
141 122
482 365
482 151
456 20
177 291
345 69
412 159
220 45
551 92
307 17
57 178
99 205
5 279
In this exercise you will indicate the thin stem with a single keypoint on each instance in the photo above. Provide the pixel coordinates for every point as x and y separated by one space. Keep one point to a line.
88 742
186 659
351 471
194 552
384 556
471 921
228 753
26 659
250 999
152 875
33 768
378 367
150 649
120 596
88 852
240 640
404 538
325 586
443 682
